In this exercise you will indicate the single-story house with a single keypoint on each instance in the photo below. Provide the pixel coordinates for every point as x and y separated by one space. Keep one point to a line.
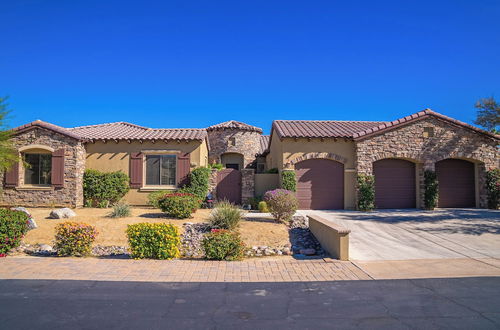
325 155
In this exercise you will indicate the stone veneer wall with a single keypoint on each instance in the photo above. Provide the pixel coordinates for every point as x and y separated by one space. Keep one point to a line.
247 184
247 144
74 166
449 141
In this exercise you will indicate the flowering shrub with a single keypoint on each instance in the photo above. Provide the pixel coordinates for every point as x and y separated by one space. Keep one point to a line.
179 205
155 196
74 239
225 216
493 188
153 240
221 244
281 203
13 227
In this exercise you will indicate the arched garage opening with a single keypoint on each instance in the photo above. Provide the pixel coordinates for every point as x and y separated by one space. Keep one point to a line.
320 184
457 186
395 186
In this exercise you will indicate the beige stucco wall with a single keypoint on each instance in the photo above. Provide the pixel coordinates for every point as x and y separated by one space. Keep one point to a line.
284 152
265 182
111 156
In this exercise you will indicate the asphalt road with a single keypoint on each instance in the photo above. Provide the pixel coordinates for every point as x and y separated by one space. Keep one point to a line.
466 303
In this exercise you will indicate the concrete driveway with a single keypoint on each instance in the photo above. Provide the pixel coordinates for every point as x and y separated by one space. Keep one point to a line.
417 234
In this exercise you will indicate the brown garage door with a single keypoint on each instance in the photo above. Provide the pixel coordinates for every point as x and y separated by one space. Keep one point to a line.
456 183
394 184
320 184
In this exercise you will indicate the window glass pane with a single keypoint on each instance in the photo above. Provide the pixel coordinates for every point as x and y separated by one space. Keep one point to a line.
45 168
168 170
153 170
38 168
31 170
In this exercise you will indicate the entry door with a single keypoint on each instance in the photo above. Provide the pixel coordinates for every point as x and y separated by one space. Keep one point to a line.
229 185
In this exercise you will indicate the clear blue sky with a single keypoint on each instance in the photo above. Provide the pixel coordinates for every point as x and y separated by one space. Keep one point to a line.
196 63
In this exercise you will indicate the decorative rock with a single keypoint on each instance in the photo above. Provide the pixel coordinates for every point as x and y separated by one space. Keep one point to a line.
287 251
191 239
45 248
63 213
32 224
21 209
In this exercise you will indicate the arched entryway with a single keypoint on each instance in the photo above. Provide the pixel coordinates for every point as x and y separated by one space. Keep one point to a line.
457 186
320 184
232 160
395 186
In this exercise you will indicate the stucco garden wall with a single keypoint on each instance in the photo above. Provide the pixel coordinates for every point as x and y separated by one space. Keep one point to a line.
71 194
449 141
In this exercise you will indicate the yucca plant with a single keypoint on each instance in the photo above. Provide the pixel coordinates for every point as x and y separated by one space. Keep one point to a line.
120 210
225 216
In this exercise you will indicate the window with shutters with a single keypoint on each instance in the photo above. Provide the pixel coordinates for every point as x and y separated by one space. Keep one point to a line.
161 170
37 169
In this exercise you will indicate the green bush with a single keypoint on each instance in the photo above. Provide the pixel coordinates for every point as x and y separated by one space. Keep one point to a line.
13 227
288 180
221 244
216 166
74 239
366 192
120 210
101 189
179 205
493 188
431 190
225 216
273 170
263 207
155 196
281 203
153 240
198 182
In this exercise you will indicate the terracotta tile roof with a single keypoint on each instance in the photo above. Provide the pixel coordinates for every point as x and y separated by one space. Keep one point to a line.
321 128
48 126
127 131
264 144
414 117
233 124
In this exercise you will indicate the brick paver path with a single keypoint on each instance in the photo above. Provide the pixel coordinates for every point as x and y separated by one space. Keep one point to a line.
283 269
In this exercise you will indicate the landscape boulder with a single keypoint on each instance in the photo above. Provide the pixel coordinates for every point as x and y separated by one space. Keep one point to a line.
63 213
31 221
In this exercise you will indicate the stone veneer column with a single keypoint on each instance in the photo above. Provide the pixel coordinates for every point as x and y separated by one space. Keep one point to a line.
247 184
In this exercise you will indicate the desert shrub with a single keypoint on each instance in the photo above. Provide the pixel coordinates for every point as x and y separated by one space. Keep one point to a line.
216 166
281 203
179 205
431 190
493 188
288 180
198 182
120 210
101 189
13 227
225 216
366 192
221 244
263 207
155 196
153 240
74 239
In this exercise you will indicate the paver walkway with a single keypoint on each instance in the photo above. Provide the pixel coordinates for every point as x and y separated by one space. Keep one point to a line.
282 269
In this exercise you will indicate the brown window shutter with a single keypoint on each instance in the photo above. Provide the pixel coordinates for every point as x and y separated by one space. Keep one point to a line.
12 176
136 163
183 168
57 173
